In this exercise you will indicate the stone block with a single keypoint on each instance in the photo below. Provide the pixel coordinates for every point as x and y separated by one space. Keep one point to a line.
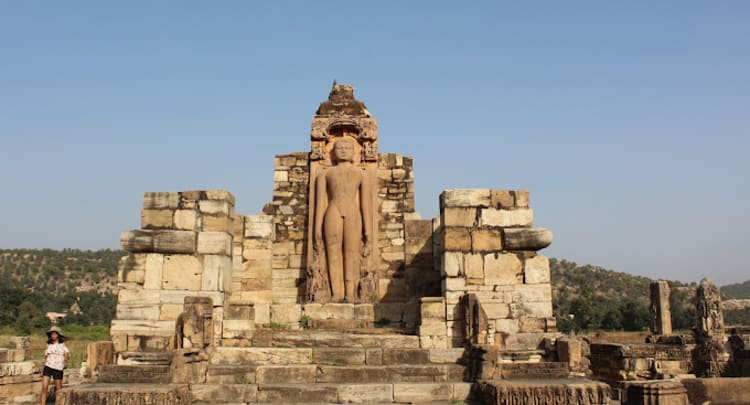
156 219
433 310
487 240
365 393
286 313
161 200
536 270
131 268
456 239
465 198
452 264
174 241
454 284
224 195
219 267
502 199
259 226
527 238
474 266
459 216
133 296
338 356
502 268
522 198
430 327
422 392
142 328
531 309
186 220
290 394
214 243
446 356
434 342
287 374
496 310
138 311
257 297
170 312
221 223
154 265
532 325
182 272
506 218
238 328
223 393
364 311
532 293
137 241
215 207
506 326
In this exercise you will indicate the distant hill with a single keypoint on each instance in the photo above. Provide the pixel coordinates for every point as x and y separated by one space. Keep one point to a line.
737 290
585 297
36 281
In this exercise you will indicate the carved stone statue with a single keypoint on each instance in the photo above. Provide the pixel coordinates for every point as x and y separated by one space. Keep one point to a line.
340 211
342 249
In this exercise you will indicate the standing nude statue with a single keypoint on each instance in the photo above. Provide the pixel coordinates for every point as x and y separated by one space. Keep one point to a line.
343 206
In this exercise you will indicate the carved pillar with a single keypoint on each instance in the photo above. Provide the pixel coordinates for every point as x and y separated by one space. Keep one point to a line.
661 318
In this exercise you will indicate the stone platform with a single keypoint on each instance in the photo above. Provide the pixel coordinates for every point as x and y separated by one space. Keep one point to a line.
125 394
542 391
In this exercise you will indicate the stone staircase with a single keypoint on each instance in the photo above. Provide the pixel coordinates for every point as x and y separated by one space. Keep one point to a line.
376 366
333 367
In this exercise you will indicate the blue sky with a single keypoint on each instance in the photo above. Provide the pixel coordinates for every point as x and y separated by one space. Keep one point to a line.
627 121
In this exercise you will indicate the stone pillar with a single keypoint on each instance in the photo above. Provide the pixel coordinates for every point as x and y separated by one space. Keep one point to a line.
661 319
183 249
709 357
488 250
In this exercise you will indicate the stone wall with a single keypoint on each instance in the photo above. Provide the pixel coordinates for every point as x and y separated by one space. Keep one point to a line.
20 376
488 251
183 249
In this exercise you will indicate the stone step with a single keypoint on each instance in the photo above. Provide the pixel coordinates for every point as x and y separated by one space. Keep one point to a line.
548 370
372 393
123 374
318 338
547 391
110 394
312 374
332 356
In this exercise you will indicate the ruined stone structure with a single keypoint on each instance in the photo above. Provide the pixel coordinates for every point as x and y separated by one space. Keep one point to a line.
20 376
710 356
661 319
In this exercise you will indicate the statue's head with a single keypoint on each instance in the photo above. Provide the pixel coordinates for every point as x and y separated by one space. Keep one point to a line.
343 150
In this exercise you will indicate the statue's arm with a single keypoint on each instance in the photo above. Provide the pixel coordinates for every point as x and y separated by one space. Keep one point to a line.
365 197
321 202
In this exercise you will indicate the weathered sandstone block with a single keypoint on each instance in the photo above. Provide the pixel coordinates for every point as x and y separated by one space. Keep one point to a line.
214 243
486 240
465 198
161 200
506 218
455 238
527 238
174 241
502 268
153 271
156 219
215 207
137 241
182 272
459 216
536 270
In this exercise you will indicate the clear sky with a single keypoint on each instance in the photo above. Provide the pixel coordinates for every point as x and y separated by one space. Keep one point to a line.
629 122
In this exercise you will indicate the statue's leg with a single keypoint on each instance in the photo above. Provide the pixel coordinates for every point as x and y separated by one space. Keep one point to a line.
333 234
352 256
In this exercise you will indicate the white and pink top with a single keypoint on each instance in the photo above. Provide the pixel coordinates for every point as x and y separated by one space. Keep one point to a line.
55 356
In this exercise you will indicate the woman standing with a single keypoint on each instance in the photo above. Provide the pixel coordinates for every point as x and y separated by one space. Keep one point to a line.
55 358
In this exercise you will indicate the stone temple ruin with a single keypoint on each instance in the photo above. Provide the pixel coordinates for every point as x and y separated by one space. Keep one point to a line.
339 292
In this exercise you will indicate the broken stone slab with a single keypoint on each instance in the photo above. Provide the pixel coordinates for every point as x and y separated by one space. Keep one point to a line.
527 238
465 198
